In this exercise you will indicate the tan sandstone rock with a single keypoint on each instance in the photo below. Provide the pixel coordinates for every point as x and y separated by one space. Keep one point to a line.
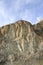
21 43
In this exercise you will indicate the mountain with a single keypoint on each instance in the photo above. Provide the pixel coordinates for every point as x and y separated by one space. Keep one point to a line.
21 43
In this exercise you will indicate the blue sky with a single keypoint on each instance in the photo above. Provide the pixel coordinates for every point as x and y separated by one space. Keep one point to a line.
13 10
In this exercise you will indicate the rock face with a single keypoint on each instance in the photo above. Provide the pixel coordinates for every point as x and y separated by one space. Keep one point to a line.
21 43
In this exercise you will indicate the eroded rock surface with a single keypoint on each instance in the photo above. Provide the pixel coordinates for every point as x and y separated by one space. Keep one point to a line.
21 43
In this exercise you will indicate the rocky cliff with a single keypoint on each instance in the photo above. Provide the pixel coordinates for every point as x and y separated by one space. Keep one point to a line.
21 43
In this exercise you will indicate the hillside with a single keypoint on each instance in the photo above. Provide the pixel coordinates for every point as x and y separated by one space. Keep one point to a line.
21 43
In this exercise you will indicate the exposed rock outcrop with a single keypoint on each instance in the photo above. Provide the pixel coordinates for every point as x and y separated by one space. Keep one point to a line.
21 43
